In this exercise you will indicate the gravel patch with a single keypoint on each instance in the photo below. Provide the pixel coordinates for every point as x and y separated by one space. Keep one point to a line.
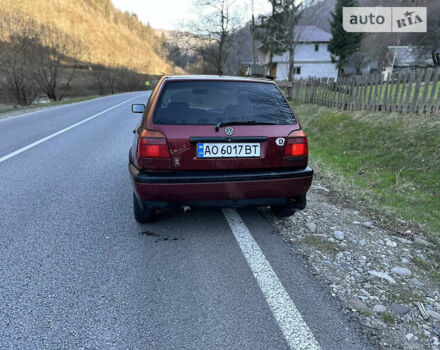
384 275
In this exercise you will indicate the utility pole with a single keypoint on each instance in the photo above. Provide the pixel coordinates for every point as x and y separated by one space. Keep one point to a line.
291 22
254 50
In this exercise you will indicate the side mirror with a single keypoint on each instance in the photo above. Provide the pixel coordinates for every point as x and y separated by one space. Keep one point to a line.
138 108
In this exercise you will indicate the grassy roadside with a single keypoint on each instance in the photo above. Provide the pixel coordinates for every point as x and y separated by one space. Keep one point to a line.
391 161
50 104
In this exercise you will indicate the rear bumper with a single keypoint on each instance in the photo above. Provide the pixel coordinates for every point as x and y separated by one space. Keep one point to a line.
222 188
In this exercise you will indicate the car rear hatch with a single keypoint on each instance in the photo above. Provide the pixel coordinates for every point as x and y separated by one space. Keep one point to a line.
225 125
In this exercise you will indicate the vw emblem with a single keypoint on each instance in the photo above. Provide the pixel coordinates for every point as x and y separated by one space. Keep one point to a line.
229 131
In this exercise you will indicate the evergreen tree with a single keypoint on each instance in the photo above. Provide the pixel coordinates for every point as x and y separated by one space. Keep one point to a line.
343 44
281 32
270 32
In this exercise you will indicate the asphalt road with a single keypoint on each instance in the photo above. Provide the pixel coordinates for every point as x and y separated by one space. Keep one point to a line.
76 270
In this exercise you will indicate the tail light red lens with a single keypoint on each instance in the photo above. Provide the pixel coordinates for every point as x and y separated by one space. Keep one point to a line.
152 144
296 149
297 145
153 148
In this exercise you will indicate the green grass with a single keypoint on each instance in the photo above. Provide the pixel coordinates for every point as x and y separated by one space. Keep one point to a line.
431 264
390 161
421 263
388 318
403 91
400 294
367 313
322 244
434 273
49 104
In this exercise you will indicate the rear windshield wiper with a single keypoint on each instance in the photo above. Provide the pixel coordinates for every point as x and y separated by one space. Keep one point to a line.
244 122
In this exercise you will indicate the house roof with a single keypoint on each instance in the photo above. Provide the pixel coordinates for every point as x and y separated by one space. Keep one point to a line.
411 55
309 34
312 34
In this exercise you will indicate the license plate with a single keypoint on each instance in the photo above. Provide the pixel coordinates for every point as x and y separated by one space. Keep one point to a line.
228 150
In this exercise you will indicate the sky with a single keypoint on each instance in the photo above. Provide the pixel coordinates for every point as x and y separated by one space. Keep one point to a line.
170 14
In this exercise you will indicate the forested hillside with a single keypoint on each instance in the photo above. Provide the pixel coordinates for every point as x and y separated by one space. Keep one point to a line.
107 36
55 49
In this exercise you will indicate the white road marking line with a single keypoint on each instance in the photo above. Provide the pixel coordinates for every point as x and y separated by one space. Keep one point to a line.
44 139
293 326
54 108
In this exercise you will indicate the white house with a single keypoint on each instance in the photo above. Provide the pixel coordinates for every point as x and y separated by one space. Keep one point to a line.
312 58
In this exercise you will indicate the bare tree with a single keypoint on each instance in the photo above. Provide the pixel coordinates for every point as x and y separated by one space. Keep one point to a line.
178 50
99 74
18 42
359 61
212 31
240 50
111 75
56 60
291 13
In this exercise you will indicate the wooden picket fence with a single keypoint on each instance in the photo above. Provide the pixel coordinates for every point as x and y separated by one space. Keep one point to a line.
415 92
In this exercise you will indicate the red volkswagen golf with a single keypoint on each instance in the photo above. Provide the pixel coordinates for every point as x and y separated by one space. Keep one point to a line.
218 142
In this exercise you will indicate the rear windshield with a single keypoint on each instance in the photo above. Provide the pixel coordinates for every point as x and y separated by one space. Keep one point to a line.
210 102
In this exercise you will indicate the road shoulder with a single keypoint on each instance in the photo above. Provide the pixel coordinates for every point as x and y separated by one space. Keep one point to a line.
381 274
331 325
22 111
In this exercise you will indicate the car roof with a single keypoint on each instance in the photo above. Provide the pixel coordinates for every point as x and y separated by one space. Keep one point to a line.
217 77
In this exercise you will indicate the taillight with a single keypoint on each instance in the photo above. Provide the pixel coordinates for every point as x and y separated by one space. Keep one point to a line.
297 145
151 147
152 144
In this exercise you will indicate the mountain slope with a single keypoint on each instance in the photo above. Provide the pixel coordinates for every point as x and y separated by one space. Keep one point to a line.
108 36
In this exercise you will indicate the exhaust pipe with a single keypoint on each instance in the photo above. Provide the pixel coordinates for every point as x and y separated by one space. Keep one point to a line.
187 209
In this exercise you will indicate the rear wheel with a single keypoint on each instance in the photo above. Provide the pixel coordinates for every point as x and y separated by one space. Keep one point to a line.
142 215
282 211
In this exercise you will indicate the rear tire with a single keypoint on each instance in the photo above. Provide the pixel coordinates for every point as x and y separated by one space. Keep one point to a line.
142 215
282 211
